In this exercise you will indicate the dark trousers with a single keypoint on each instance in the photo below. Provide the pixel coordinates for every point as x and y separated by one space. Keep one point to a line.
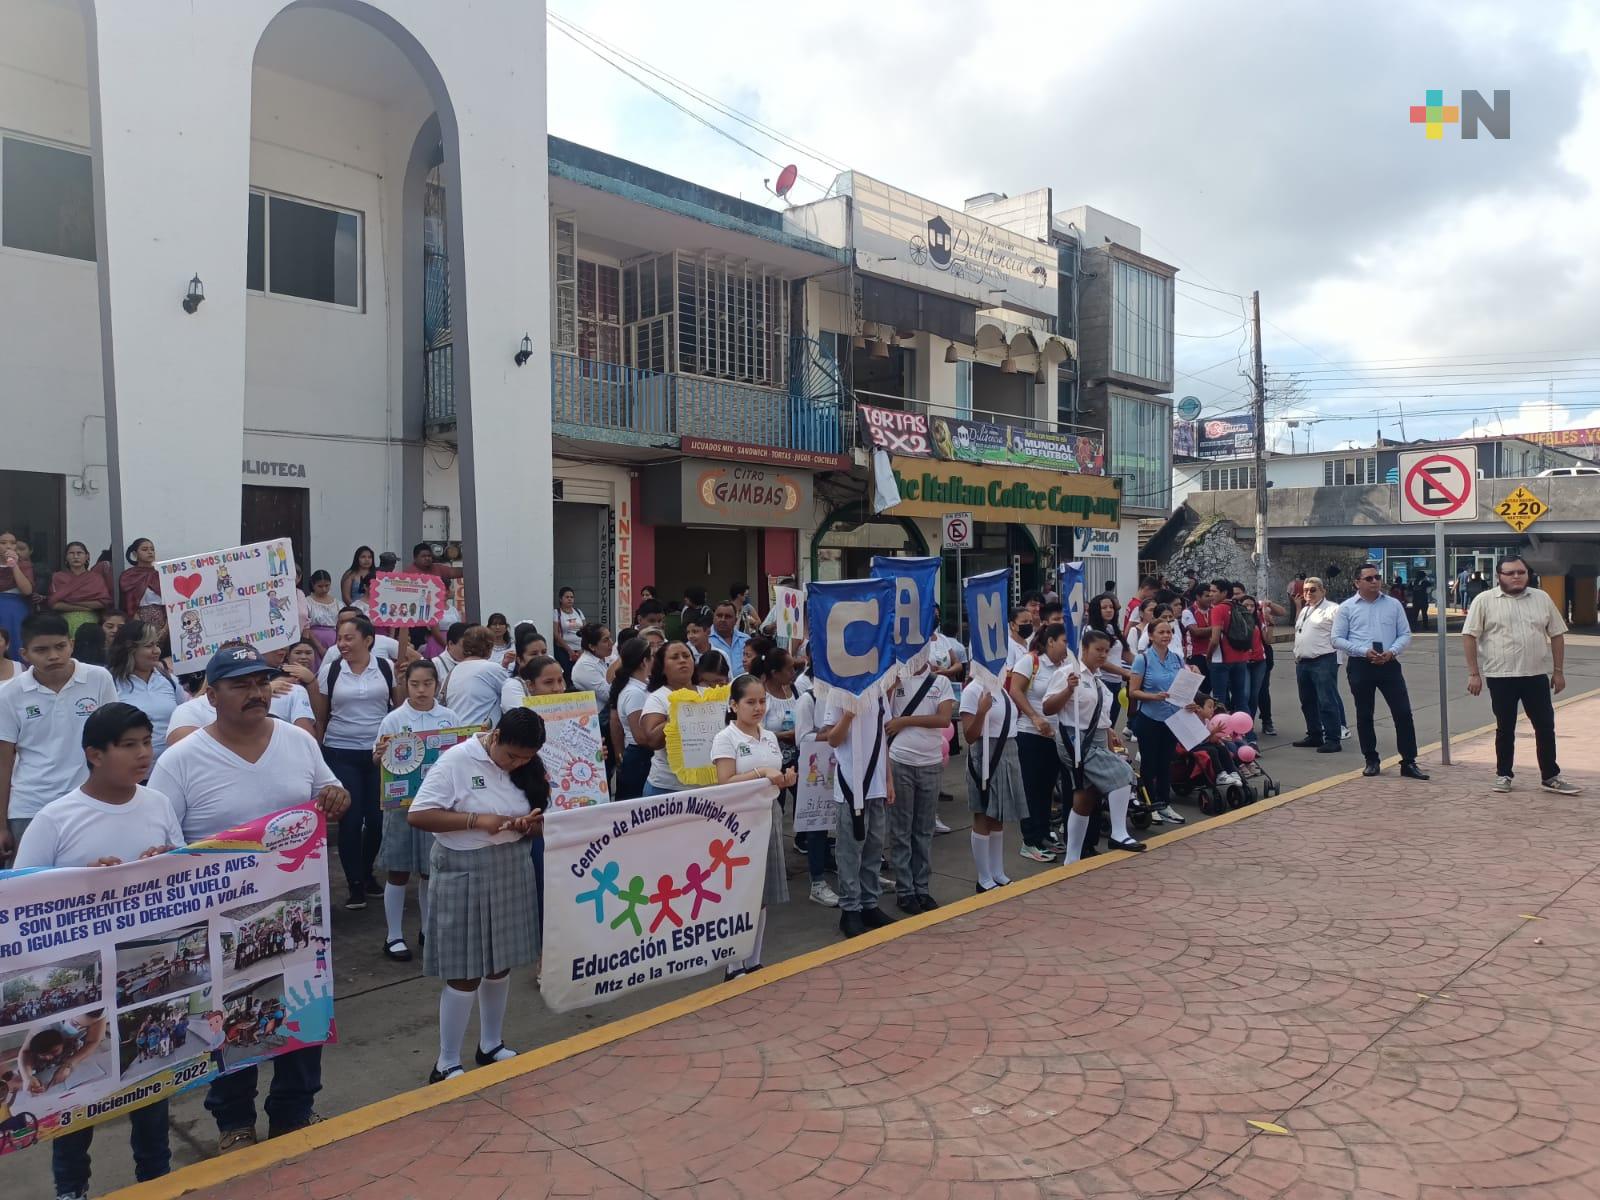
1041 767
1230 685
361 827
1264 690
147 1135
1157 747
1365 680
633 771
1533 693
296 1080
1318 682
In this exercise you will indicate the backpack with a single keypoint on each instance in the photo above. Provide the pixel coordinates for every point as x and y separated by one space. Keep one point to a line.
383 669
1240 630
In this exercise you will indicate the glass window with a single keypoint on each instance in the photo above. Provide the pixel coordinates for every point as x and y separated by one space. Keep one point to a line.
565 265
46 199
255 255
313 252
1141 326
1141 450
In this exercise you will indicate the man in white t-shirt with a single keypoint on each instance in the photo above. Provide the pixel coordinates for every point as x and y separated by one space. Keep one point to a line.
42 712
921 709
859 754
241 767
291 701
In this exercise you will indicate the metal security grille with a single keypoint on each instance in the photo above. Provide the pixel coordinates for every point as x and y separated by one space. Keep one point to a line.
704 314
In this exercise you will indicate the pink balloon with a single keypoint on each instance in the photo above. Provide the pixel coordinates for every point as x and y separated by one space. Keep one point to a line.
1247 754
1219 721
1241 724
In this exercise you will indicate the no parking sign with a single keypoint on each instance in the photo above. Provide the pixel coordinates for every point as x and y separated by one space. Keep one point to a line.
1439 485
958 531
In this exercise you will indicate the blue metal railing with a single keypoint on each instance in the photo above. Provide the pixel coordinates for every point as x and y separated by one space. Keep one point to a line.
587 395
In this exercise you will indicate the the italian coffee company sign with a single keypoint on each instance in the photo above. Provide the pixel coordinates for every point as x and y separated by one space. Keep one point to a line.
642 891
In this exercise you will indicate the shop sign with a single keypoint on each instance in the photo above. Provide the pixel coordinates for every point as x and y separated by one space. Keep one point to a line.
932 489
1227 437
624 527
811 460
276 470
896 431
1098 543
901 236
701 492
955 440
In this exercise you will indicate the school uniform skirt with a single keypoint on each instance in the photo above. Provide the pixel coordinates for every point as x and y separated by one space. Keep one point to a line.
1007 799
484 914
776 888
404 848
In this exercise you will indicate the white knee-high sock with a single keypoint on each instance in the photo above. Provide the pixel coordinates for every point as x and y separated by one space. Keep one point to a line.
997 854
493 995
980 858
1119 812
455 1009
1077 831
394 909
422 900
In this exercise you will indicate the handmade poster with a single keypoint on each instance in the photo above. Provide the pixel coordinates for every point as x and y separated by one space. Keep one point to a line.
639 892
814 805
121 986
406 600
695 718
242 594
788 616
573 754
407 758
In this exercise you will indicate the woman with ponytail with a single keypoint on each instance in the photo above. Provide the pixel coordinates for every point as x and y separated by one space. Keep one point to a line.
480 800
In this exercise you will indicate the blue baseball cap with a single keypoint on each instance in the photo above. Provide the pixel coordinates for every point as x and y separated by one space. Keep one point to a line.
237 659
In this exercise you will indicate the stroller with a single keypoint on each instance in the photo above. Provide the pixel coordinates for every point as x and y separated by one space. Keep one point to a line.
1196 773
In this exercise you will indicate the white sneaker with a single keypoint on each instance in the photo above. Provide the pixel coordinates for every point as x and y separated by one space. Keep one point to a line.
1230 779
824 895
1344 733
1561 787
1035 854
939 827
1502 783
1156 818
1171 815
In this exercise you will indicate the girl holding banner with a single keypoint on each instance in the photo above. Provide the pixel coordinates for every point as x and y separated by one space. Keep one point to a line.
480 800
406 849
745 750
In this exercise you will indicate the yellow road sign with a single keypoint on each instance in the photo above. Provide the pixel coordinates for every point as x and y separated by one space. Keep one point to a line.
1521 509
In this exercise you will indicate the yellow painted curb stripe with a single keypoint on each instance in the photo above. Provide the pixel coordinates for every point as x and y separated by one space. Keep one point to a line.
215 1171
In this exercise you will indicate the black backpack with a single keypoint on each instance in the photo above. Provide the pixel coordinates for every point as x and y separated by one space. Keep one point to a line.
383 669
1241 628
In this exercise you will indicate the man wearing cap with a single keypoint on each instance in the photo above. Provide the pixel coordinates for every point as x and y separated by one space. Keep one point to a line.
243 766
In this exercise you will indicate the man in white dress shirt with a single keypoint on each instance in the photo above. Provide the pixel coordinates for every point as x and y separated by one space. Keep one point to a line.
1316 667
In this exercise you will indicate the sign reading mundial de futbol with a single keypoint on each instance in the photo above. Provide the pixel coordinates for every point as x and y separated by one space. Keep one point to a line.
124 985
638 892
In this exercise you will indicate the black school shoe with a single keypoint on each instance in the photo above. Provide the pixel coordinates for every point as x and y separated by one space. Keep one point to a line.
876 918
928 903
851 924
909 904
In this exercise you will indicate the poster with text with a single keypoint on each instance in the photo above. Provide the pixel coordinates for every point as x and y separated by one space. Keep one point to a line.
406 759
814 806
695 717
121 986
242 594
573 754
406 600
638 892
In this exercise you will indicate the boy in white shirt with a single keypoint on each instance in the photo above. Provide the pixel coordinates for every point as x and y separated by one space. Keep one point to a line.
922 706
42 714
859 746
97 824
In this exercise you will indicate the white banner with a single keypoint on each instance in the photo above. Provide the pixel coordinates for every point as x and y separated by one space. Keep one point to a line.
242 594
124 985
814 806
638 892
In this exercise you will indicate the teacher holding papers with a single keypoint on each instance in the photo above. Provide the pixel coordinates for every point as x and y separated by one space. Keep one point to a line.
1153 678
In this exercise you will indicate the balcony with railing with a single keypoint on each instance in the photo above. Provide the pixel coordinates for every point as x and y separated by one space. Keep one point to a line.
609 402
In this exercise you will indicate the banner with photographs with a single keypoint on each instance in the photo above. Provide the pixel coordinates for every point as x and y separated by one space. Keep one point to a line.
121 986
1008 443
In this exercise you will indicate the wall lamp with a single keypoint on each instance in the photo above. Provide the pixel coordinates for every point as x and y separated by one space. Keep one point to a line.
195 296
524 354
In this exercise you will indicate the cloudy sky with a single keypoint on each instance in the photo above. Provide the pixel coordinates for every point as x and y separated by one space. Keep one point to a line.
1260 145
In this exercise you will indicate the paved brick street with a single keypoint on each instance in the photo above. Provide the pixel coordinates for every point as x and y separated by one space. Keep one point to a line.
1359 967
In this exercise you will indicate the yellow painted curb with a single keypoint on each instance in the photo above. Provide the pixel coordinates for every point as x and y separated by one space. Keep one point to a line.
215 1171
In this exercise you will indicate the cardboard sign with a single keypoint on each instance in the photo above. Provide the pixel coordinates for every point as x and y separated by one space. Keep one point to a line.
406 600
815 809
788 615
407 759
695 718
573 754
241 594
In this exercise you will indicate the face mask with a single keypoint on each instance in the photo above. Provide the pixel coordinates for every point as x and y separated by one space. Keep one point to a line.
1025 631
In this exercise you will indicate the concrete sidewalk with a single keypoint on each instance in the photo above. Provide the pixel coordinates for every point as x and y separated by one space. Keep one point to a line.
1398 983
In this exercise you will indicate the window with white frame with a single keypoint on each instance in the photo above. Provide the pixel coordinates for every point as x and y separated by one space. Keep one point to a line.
599 312
564 262
305 250
1227 479
1346 472
46 198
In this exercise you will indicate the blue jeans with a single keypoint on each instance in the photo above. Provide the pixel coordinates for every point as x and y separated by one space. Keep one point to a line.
296 1080
1257 680
1230 685
651 789
147 1135
1318 682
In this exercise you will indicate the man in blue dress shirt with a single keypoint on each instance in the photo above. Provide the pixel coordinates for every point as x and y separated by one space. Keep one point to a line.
1373 630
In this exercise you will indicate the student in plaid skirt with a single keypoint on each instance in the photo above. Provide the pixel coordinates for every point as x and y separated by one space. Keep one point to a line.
480 800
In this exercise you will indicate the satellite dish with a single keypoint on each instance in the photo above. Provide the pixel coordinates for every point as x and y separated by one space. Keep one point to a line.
786 178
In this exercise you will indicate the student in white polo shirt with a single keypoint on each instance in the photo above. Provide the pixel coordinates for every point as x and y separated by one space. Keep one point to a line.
921 709
42 712
241 767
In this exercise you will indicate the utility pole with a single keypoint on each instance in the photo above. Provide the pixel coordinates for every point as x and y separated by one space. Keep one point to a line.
1261 455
